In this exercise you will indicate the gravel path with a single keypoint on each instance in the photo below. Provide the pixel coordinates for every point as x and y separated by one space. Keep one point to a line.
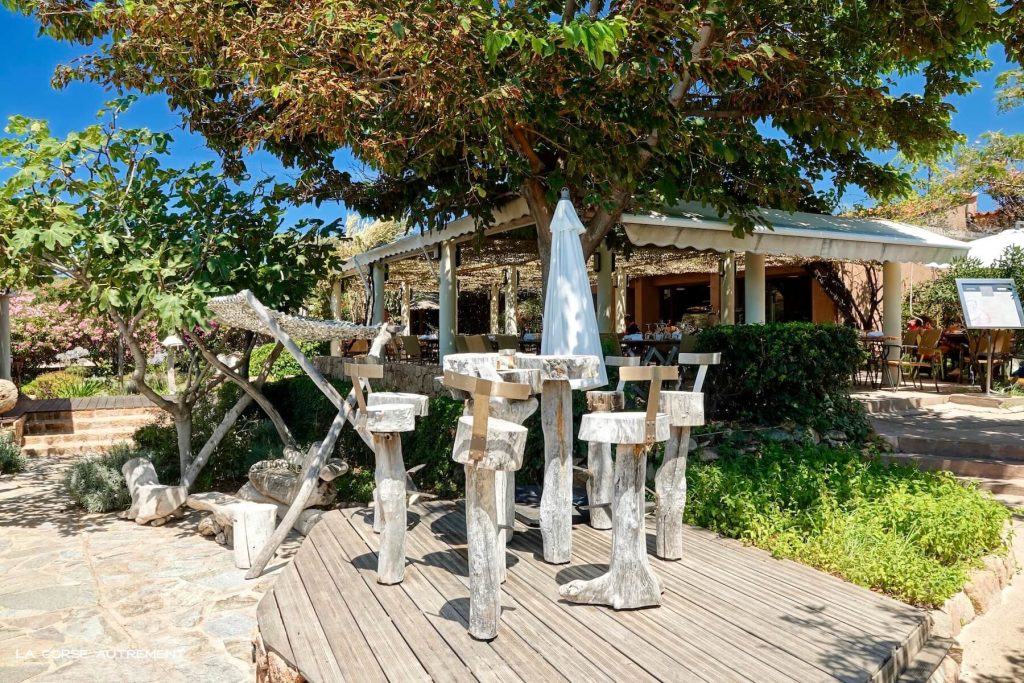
95 598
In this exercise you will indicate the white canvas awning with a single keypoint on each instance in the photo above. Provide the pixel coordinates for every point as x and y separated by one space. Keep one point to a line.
692 226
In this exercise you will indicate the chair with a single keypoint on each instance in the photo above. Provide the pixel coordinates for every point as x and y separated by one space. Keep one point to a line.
461 345
384 415
358 347
629 582
611 342
411 349
687 343
478 343
926 355
507 342
485 445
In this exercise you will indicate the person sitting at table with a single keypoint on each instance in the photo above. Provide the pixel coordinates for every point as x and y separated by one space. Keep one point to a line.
631 326
914 324
926 323
672 330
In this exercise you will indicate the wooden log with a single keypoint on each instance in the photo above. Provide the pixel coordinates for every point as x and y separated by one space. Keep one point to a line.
388 419
390 480
309 478
670 495
516 412
253 527
419 402
629 582
556 496
506 443
684 408
621 428
152 502
482 539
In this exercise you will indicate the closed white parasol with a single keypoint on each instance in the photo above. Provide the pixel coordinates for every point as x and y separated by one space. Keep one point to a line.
570 322
989 249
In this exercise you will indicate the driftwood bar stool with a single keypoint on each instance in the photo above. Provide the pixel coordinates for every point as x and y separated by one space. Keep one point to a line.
629 582
385 422
685 409
599 455
485 445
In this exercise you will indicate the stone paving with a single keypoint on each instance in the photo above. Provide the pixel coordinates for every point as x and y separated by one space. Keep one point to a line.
96 598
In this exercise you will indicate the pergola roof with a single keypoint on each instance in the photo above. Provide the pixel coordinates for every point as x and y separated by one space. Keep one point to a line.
692 226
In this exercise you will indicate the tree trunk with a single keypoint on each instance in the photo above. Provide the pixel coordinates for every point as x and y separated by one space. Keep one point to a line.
183 426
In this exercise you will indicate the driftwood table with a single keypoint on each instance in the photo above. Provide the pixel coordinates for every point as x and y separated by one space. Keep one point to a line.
555 374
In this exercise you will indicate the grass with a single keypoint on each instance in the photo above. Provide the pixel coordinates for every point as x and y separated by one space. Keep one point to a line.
910 534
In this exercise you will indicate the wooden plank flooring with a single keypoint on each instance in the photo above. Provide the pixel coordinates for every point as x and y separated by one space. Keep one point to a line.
729 613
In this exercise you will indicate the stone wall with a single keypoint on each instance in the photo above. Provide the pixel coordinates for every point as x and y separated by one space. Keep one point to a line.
409 377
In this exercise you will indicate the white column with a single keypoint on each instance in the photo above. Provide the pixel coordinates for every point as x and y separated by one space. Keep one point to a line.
406 308
512 301
604 289
892 306
446 300
753 288
727 290
336 313
495 294
621 290
378 293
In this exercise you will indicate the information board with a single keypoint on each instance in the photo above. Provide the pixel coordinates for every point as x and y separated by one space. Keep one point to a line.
990 304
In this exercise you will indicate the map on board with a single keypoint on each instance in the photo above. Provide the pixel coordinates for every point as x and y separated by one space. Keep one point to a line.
992 304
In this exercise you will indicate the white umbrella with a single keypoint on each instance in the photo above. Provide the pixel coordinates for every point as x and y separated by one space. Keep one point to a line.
570 322
989 249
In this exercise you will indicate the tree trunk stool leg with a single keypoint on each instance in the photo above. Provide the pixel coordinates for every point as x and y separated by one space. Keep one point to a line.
505 501
377 519
629 583
482 539
391 507
600 482
685 409
670 495
556 496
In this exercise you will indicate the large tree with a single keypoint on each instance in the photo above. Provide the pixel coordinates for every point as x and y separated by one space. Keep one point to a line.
456 105
141 244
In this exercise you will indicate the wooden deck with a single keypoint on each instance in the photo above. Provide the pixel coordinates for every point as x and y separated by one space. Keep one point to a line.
730 613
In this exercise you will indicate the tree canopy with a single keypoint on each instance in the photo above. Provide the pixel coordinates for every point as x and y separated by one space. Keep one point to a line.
456 105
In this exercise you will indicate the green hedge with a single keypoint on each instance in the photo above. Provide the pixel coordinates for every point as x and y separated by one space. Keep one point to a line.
911 534
771 374
285 365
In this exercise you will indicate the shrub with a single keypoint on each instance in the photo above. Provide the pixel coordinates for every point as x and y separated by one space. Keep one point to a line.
97 484
52 384
251 439
12 460
770 374
285 365
911 534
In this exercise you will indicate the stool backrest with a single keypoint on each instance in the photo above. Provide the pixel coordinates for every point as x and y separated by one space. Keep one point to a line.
411 346
478 343
622 362
655 374
359 372
482 390
703 360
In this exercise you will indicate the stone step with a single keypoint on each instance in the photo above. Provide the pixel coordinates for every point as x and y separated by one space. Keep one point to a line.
1004 479
77 425
83 436
927 665
71 448
113 413
978 449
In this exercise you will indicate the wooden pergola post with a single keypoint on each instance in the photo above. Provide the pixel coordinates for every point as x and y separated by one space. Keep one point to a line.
512 300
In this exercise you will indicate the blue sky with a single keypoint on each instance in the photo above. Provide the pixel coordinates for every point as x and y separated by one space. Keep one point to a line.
25 89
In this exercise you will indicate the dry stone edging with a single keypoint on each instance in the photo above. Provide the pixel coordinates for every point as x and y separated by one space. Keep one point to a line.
984 587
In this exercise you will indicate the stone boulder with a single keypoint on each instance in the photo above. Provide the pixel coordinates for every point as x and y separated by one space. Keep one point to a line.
8 396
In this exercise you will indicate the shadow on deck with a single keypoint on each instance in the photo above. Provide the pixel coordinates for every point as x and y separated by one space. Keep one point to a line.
729 613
